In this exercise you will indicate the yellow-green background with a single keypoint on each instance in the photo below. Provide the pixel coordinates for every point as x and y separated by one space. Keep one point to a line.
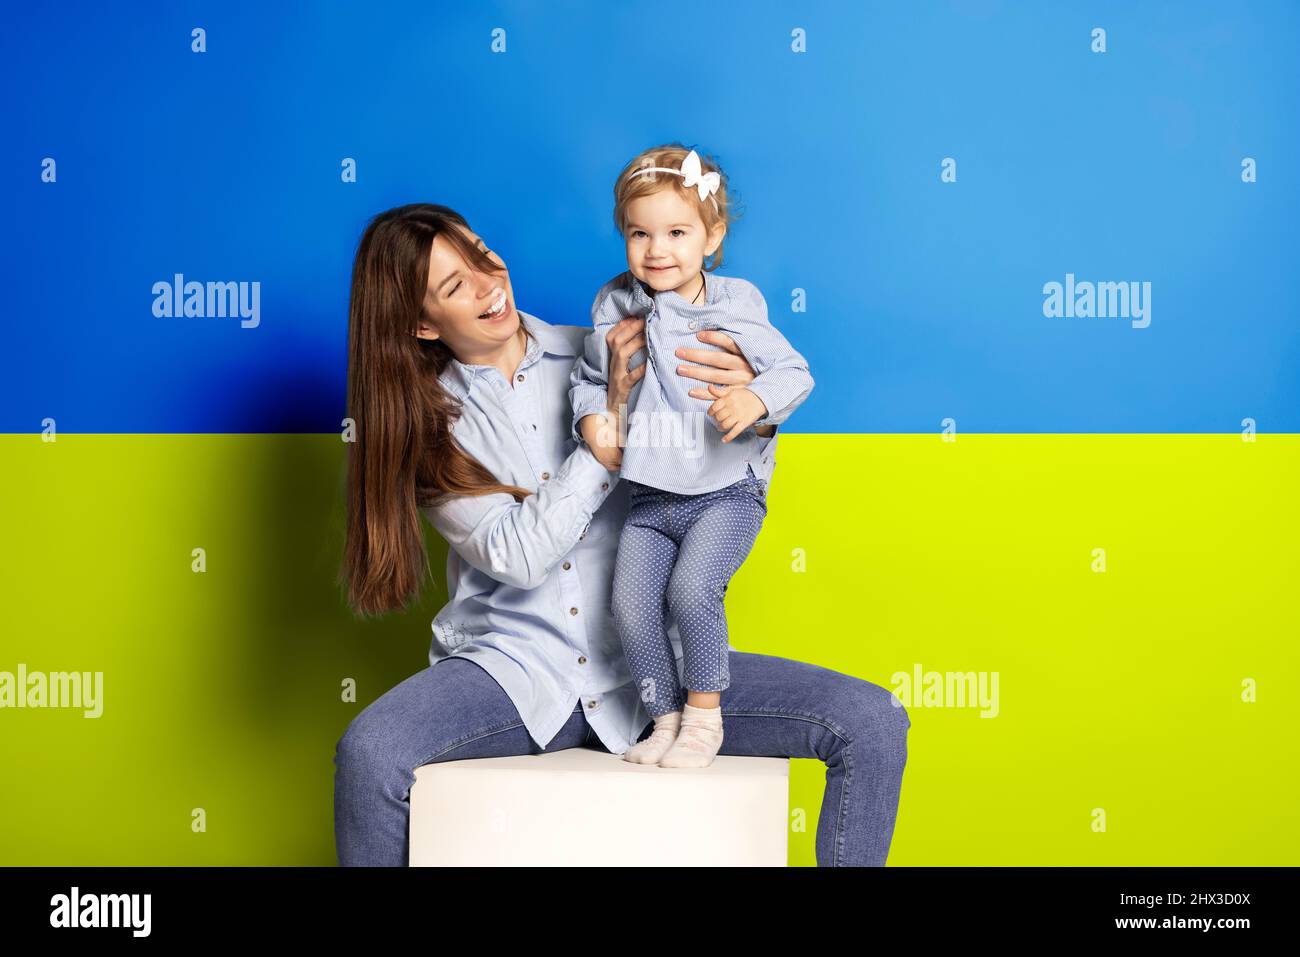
1119 691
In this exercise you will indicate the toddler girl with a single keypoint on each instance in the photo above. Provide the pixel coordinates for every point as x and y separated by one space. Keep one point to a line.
698 487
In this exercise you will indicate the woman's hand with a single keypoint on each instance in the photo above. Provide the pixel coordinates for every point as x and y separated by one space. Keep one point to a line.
627 336
724 369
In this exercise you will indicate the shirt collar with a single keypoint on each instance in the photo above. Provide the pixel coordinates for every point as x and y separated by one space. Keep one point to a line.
458 376
645 297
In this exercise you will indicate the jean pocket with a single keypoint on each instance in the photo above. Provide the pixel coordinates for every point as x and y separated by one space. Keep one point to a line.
756 488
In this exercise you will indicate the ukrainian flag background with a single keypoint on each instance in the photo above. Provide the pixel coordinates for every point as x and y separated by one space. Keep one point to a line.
1108 521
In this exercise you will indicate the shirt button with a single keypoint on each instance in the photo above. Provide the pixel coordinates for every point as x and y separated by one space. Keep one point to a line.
546 475
534 426
591 704
692 324
582 660
573 611
604 485
566 566
520 377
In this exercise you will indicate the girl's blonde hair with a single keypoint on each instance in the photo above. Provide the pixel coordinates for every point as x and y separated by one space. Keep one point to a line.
629 187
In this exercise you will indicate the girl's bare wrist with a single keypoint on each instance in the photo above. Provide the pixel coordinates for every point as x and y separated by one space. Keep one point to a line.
614 419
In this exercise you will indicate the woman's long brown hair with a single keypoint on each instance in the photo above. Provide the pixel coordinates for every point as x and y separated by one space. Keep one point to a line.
403 455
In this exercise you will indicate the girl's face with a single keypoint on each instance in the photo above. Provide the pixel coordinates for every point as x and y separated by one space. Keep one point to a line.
459 303
666 240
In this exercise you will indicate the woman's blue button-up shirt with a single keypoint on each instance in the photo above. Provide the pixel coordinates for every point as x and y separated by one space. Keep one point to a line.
529 582
672 443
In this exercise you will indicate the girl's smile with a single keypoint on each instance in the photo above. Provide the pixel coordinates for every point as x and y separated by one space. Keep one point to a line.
665 235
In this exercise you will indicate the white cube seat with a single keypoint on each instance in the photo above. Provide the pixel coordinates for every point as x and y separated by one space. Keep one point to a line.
585 806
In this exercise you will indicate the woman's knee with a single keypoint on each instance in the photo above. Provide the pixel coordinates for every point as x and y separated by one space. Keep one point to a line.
377 748
872 717
415 722
360 751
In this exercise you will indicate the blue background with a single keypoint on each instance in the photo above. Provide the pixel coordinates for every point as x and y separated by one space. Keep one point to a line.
924 298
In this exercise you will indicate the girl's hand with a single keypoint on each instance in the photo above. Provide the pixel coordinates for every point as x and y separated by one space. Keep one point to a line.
727 369
735 410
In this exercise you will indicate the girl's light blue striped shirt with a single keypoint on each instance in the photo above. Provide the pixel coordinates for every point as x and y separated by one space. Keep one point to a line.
672 443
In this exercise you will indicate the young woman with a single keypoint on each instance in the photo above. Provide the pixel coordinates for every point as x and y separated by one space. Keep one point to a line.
461 407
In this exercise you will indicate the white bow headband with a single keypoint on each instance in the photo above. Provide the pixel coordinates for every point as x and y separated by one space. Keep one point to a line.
692 174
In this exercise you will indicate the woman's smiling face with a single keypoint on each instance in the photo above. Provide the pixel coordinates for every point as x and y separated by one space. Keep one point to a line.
666 240
473 312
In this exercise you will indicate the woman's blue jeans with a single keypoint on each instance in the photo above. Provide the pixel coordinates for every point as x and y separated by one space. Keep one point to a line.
775 707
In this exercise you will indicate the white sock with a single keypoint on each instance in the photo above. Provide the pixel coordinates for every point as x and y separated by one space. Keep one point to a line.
698 741
661 738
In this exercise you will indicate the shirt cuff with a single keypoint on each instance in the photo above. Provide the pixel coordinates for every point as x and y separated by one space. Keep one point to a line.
591 481
765 394
778 389
768 418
